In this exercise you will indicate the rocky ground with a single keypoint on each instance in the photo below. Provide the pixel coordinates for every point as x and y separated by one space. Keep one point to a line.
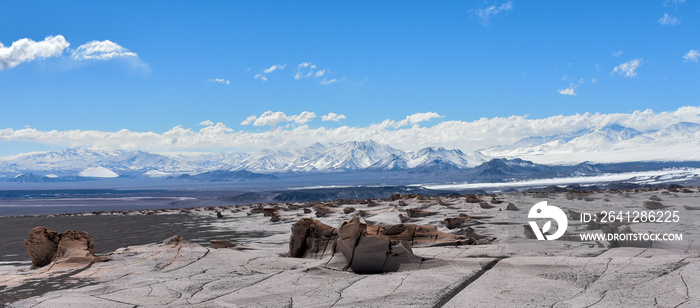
434 251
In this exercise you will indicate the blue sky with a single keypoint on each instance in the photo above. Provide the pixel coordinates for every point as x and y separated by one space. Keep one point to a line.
188 65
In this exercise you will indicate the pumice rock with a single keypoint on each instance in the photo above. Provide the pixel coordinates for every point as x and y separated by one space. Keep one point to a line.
41 246
71 247
368 254
311 238
653 205
419 212
473 199
485 205
76 247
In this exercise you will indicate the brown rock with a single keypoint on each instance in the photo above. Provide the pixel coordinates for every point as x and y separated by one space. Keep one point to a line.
415 212
454 222
402 203
654 198
653 205
511 207
221 244
473 199
311 238
392 229
41 246
348 210
485 205
270 212
76 247
368 254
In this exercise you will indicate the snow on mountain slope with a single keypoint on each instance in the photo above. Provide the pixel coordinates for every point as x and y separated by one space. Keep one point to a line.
612 143
351 155
607 144
98 172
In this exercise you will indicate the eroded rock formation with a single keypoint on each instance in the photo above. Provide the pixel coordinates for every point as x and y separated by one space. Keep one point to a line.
367 248
45 246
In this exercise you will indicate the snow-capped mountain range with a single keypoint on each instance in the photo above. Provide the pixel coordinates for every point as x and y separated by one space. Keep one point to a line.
607 144
354 155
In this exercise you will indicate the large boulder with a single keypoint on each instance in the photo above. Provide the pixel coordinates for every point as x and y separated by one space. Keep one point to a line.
76 247
367 248
41 246
311 238
369 254
71 247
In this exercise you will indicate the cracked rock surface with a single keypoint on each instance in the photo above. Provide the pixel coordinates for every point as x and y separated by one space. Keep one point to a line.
504 269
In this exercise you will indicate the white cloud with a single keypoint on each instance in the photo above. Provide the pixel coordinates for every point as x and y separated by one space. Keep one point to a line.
25 50
567 91
206 123
417 118
277 67
303 118
485 14
618 53
331 116
467 136
220 80
274 68
692 56
668 20
628 69
249 120
101 50
309 70
673 2
271 119
572 86
326 82
594 80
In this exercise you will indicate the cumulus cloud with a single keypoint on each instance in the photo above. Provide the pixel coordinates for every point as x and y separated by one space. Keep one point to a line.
206 123
628 69
485 14
331 116
220 80
413 119
668 20
464 135
249 120
303 118
102 50
25 50
271 119
692 56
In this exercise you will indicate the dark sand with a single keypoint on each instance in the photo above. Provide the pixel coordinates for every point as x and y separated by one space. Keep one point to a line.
111 232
